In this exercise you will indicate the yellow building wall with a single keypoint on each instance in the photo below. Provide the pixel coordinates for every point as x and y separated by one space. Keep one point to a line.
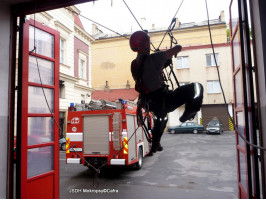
111 57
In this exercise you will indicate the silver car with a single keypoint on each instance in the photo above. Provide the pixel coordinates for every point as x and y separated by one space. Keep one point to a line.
214 126
62 144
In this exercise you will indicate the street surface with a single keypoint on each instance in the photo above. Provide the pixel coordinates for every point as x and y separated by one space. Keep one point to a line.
194 166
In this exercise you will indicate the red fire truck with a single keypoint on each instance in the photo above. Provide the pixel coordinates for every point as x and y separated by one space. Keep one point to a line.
105 133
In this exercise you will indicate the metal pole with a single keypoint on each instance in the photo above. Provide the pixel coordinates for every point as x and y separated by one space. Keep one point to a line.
19 107
12 109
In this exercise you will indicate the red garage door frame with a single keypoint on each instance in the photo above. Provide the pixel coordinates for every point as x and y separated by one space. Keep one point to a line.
38 163
244 108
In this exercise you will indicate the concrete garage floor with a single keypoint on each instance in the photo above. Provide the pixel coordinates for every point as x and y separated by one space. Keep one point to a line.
191 166
203 166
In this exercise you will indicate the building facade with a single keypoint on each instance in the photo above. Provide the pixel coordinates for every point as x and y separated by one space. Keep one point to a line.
197 64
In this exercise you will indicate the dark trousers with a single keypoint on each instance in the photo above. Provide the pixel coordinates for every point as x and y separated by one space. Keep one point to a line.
163 102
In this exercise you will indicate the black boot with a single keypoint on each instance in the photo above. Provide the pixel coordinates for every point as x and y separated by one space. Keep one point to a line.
160 122
159 147
156 146
192 107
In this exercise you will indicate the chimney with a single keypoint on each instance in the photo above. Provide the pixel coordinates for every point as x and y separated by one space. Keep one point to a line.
177 23
127 85
222 19
143 22
94 29
106 87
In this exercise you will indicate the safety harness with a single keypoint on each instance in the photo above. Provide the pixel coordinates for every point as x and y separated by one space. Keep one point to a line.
137 68
147 98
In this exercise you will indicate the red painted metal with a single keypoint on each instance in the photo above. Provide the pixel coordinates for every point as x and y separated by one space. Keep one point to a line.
43 185
246 162
242 192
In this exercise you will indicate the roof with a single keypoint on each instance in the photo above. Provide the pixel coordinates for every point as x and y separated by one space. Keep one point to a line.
163 29
115 94
78 22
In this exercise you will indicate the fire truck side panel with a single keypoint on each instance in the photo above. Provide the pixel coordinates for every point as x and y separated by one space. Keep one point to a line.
146 149
96 134
132 155
139 133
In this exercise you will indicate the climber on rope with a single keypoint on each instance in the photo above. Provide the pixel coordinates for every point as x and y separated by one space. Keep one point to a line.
146 70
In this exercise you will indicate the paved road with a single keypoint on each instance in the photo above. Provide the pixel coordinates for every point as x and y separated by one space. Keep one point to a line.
191 166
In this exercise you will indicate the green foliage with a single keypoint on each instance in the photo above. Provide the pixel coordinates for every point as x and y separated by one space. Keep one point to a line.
228 34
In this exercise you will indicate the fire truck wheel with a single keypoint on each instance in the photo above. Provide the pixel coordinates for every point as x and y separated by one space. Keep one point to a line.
63 146
140 159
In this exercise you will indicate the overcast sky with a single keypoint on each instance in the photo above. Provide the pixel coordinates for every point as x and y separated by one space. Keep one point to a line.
115 15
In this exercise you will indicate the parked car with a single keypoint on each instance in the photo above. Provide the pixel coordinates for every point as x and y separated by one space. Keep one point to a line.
214 126
62 144
187 127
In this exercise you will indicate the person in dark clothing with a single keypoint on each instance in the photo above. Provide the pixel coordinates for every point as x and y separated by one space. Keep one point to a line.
146 70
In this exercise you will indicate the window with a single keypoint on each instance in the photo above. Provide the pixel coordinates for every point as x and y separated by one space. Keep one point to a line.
82 65
62 50
182 62
190 124
213 87
82 69
210 59
44 42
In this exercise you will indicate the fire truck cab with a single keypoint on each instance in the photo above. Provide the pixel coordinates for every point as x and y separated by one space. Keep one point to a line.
103 132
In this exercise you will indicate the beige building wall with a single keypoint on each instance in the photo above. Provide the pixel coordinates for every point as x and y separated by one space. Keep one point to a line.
198 71
191 36
111 57
111 60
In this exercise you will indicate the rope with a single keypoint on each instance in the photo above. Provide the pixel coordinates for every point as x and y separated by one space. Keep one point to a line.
137 21
170 24
120 149
97 23
132 14
225 103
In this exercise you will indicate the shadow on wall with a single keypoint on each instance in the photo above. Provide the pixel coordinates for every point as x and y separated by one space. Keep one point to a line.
107 65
